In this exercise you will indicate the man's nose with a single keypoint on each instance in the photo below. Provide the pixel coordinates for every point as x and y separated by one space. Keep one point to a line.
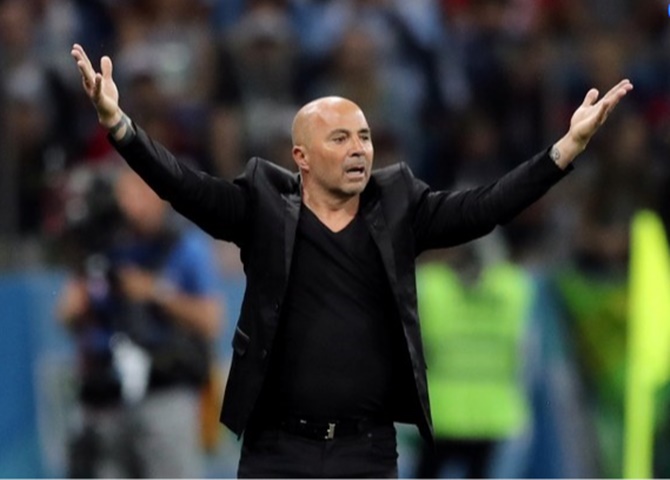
357 148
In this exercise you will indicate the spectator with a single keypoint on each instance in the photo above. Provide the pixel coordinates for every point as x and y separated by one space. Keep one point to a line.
143 313
475 316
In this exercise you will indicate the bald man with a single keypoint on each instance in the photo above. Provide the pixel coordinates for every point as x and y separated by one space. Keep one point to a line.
327 349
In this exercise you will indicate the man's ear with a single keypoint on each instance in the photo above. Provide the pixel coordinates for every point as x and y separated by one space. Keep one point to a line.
300 158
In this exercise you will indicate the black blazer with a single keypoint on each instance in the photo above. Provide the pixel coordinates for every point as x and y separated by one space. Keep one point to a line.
259 212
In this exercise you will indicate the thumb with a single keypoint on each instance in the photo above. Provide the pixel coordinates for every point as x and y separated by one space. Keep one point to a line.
590 97
106 67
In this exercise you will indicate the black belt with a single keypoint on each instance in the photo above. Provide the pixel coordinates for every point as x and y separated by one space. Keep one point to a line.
324 430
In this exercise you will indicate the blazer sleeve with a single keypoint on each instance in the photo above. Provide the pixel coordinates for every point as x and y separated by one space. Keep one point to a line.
447 218
217 206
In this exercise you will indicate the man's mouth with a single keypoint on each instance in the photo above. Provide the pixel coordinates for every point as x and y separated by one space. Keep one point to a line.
355 172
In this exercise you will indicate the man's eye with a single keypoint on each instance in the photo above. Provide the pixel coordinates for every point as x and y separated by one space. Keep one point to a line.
339 139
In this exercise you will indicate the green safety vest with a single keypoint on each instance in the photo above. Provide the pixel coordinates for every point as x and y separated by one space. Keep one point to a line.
473 340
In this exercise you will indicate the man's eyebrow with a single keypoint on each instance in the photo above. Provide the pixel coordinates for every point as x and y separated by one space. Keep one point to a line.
345 131
338 131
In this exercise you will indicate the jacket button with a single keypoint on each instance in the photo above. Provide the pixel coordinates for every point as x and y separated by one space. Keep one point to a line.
264 353
277 306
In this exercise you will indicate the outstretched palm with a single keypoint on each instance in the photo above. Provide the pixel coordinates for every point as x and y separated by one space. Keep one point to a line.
99 86
591 114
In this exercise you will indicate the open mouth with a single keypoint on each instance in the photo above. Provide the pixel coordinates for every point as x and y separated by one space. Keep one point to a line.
355 171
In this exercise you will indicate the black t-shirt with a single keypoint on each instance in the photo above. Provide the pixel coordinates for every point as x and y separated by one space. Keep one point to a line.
339 344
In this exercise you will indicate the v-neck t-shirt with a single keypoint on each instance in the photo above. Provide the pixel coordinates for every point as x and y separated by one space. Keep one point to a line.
339 342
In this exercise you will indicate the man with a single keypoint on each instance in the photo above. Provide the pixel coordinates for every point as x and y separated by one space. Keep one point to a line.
144 313
327 350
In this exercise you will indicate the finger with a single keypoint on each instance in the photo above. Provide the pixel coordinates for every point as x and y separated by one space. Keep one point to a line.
75 53
97 89
590 98
613 102
609 104
619 90
79 53
603 112
84 66
615 96
76 50
86 72
87 87
83 62
83 54
88 79
106 67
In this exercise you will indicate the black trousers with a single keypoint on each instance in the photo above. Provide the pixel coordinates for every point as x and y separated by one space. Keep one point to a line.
275 453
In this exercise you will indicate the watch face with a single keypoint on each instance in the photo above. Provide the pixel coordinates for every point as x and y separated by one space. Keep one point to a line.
554 154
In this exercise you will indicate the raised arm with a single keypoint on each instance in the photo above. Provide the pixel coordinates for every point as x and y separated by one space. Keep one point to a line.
217 206
444 219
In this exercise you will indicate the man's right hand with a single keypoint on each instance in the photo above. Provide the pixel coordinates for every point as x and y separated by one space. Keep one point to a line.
99 86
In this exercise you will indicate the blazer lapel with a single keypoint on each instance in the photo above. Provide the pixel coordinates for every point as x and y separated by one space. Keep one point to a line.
374 217
292 202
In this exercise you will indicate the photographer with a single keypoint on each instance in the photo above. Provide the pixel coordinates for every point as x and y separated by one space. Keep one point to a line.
143 311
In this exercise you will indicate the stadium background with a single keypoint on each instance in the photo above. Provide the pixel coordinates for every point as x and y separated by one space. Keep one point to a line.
459 89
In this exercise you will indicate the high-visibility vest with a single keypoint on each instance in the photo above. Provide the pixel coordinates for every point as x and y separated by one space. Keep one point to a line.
473 339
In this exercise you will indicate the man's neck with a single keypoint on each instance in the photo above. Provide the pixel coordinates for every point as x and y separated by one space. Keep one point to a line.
336 213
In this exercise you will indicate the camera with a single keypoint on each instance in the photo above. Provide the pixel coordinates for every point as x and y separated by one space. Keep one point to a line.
93 216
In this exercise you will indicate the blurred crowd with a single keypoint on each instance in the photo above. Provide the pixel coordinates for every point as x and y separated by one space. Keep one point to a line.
461 90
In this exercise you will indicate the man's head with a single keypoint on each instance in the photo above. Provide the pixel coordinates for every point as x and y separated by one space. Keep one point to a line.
332 147
143 209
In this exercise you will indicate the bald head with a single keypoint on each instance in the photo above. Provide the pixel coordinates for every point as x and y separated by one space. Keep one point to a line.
332 148
319 110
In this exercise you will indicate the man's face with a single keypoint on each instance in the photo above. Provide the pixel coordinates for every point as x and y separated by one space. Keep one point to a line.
138 203
337 152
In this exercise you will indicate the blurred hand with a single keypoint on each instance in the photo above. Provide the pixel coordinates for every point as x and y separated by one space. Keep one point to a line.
73 301
137 285
99 87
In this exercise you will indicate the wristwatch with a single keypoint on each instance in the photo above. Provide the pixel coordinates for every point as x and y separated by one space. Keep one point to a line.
554 154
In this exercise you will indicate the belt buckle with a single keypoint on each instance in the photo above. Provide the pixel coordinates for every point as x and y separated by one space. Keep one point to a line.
330 433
